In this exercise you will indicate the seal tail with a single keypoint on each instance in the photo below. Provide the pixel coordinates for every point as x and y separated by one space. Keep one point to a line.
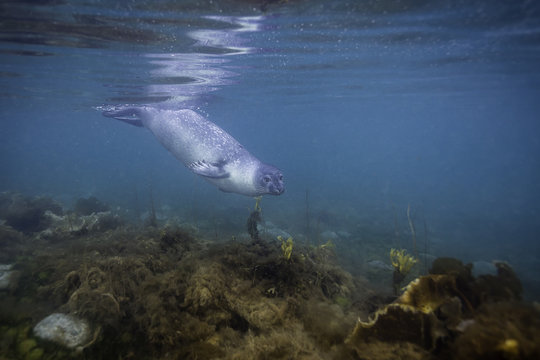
127 113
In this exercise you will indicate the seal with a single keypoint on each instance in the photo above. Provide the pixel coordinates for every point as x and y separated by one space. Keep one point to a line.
204 148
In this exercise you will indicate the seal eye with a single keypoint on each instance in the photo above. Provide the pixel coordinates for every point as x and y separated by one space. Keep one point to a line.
280 177
267 179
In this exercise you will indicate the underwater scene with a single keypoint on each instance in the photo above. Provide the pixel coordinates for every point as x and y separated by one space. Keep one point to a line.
247 179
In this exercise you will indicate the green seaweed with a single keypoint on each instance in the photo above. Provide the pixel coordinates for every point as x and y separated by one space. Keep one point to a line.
35 354
25 346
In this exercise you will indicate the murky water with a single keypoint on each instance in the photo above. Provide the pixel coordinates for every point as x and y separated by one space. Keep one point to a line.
410 125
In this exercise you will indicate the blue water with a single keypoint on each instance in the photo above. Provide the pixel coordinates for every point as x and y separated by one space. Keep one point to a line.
367 108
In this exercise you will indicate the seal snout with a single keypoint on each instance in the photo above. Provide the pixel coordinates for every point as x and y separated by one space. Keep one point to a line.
277 190
271 181
277 187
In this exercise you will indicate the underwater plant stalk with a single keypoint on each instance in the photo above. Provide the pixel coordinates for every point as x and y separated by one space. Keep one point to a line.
70 223
153 219
425 242
253 219
194 203
318 232
396 231
137 209
307 217
413 231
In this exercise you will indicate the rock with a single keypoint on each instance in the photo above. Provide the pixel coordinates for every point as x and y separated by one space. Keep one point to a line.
26 214
329 234
272 230
5 275
380 265
482 312
427 259
80 225
483 268
63 329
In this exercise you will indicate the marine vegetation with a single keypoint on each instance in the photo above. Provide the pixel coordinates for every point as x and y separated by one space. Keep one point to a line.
327 245
162 293
254 219
286 247
402 263
173 293
452 315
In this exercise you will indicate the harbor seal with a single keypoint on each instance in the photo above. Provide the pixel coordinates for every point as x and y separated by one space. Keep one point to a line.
204 148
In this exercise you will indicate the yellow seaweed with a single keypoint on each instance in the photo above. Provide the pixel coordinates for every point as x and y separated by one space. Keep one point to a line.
401 261
286 247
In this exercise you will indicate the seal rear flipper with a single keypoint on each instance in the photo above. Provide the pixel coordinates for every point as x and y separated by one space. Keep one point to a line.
205 169
130 114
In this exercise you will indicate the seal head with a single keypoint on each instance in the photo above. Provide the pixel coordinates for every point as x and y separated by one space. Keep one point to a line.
269 180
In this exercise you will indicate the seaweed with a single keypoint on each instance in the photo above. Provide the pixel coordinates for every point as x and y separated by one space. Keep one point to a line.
156 293
177 241
445 312
152 219
402 263
253 220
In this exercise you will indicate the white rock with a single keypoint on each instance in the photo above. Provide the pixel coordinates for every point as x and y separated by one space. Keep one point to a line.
63 329
272 231
380 265
5 275
329 234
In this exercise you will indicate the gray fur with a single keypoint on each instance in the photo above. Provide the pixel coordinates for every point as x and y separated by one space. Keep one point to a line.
205 148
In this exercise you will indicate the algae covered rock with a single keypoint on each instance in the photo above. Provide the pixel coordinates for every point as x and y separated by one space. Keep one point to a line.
450 266
505 286
508 330
26 214
63 329
397 323
429 293
457 316
79 225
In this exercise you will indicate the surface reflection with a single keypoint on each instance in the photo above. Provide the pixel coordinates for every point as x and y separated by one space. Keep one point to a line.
183 78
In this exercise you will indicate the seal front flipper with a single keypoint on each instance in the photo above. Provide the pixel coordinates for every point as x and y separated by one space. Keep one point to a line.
215 171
